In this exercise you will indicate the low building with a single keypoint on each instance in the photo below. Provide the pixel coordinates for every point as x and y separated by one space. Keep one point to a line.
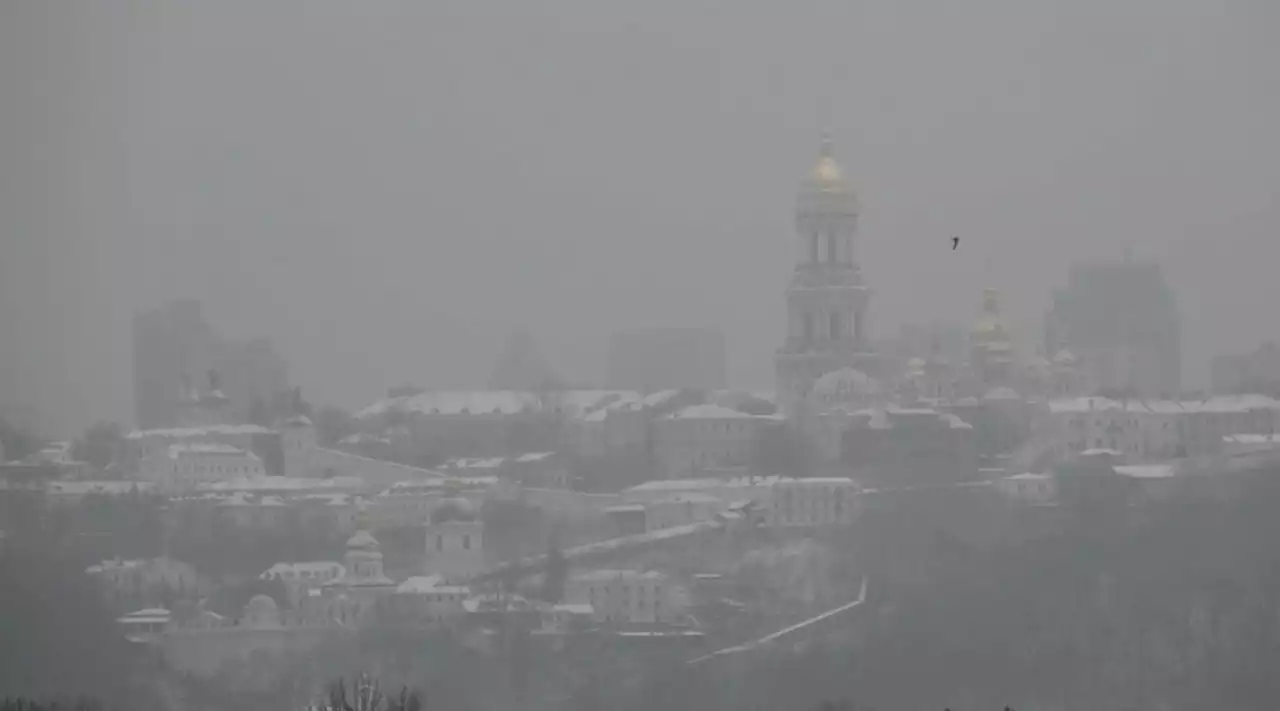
1032 489
1147 430
812 502
702 437
186 465
428 601
299 578
628 596
682 510
73 493
148 577
910 447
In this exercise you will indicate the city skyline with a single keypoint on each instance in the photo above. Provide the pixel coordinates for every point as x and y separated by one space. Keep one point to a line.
388 217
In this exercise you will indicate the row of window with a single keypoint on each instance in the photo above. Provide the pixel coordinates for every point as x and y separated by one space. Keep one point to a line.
221 469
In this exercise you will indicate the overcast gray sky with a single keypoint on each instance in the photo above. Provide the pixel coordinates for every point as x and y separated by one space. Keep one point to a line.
389 188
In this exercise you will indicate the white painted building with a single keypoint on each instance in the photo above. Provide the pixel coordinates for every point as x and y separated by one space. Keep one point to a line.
627 596
818 501
139 576
299 578
1151 429
428 600
703 437
185 465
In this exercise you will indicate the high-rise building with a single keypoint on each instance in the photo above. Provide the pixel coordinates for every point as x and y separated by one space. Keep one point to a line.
1256 372
1120 321
827 300
175 349
649 359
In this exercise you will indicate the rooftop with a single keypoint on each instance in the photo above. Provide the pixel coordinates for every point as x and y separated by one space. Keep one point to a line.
196 449
211 430
715 412
1218 404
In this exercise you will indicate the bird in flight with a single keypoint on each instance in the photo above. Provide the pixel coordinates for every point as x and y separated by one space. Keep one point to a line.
955 242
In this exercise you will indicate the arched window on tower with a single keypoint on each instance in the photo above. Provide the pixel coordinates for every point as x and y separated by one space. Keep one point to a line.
813 248
808 326
831 247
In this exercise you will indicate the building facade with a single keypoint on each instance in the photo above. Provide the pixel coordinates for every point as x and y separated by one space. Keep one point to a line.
1256 372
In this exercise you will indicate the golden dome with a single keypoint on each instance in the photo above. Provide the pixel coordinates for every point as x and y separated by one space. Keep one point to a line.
916 364
827 176
990 325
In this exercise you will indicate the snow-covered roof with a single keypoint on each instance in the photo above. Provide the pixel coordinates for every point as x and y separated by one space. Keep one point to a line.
1100 451
152 615
199 449
211 430
1147 471
603 575
679 485
1252 439
241 498
534 456
283 483
106 565
1002 392
432 486
1218 404
624 508
574 608
688 498
422 584
1029 477
715 412
502 402
477 463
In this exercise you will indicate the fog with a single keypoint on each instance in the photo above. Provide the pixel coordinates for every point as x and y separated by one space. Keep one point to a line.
388 190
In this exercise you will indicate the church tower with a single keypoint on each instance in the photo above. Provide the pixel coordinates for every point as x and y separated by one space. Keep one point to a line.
826 298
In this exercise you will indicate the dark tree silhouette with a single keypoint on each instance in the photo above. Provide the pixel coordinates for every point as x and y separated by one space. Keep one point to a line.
100 444
17 442
366 695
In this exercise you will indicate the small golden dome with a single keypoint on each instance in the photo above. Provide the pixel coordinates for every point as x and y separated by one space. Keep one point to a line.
916 364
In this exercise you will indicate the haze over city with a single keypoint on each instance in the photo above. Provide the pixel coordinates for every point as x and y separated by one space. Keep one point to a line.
389 194
568 356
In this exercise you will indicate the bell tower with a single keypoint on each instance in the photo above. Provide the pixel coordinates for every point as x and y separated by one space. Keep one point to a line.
826 298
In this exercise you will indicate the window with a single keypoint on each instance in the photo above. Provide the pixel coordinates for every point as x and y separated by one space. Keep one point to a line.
831 248
835 326
466 542
813 248
439 542
808 326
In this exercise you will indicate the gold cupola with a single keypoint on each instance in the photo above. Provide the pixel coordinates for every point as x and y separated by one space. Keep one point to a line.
990 326
826 176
